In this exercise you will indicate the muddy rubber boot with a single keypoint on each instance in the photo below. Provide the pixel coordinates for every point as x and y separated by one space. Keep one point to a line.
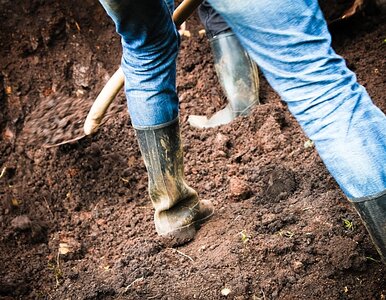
178 211
372 211
239 79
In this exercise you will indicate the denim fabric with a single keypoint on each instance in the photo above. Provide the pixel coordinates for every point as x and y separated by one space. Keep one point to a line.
214 24
290 42
150 44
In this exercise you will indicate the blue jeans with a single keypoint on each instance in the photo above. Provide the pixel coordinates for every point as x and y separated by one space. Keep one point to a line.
290 42
150 44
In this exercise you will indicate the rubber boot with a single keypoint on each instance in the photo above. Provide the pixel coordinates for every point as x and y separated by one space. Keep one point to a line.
178 211
372 211
238 76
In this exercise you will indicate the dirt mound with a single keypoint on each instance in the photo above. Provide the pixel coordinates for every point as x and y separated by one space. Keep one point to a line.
76 221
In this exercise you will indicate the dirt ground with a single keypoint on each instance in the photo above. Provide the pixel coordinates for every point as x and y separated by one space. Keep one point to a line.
76 220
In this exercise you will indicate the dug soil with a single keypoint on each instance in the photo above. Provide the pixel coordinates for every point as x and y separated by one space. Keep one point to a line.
76 221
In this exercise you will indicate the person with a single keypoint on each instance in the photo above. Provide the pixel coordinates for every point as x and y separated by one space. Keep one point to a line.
236 71
290 42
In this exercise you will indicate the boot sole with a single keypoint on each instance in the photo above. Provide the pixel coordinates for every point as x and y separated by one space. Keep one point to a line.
184 234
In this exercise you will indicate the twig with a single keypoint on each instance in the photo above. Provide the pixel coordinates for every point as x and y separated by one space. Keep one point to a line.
373 259
77 26
58 271
183 254
48 207
138 279
3 172
263 294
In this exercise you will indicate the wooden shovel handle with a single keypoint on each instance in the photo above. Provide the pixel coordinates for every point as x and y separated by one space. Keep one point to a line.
184 10
115 83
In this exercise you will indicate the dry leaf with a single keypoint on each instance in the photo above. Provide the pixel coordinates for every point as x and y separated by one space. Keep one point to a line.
64 248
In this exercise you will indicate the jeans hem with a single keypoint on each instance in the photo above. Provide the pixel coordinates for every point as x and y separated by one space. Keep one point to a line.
154 127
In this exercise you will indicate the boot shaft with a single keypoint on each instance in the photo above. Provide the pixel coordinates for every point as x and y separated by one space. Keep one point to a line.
372 211
237 73
177 208
162 153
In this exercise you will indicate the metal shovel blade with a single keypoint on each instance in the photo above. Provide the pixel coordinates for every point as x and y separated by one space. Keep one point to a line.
221 117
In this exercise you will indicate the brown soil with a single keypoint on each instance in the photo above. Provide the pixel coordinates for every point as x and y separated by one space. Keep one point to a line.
76 220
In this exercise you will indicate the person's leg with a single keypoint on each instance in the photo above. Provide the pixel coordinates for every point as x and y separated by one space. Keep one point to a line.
150 45
148 61
237 73
214 24
290 42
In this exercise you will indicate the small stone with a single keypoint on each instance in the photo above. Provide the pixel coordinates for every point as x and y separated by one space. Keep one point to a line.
221 141
239 189
225 292
298 266
8 134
